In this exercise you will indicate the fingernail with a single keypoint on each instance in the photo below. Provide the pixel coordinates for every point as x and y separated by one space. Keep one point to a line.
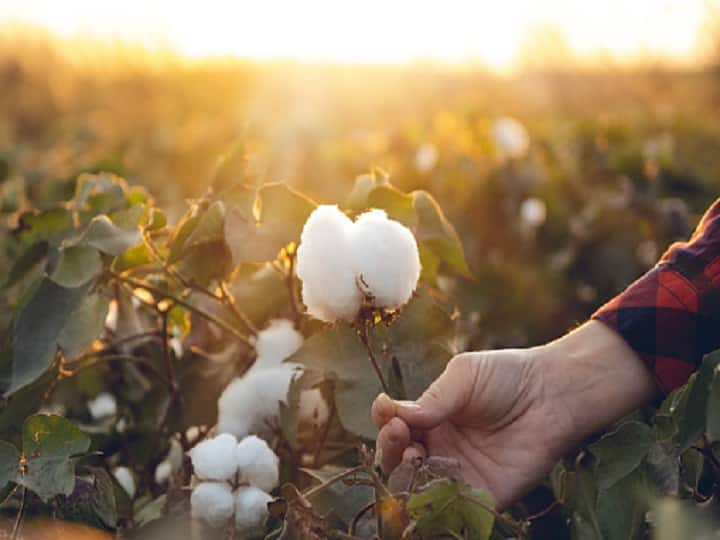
408 405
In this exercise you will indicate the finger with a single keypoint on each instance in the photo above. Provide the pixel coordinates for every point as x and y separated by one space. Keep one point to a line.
393 439
382 410
414 453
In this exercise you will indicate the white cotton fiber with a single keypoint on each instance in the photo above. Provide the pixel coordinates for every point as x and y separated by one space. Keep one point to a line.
324 266
214 459
213 503
276 342
248 403
386 258
257 463
102 406
511 137
251 509
335 253
126 480
314 410
163 472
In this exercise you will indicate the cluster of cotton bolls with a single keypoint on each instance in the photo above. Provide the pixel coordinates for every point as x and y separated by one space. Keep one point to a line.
511 138
234 479
342 263
249 403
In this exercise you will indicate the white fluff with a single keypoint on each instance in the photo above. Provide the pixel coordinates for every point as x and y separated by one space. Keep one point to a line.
276 342
103 405
386 258
511 137
250 508
324 266
215 459
213 503
163 472
335 254
533 212
257 463
126 480
314 409
248 403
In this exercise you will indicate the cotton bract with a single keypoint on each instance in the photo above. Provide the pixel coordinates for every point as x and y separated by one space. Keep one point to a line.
340 261
250 508
257 463
276 342
213 503
215 459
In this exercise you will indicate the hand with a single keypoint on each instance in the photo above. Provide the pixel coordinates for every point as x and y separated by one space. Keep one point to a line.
508 416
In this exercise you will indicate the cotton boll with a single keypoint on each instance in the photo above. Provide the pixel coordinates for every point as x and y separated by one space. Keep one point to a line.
257 463
533 212
511 137
324 265
247 404
213 503
214 459
314 410
276 342
163 472
102 406
251 509
385 255
126 480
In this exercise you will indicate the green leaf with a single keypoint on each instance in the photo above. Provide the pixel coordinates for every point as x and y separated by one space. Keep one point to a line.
27 261
157 220
103 234
691 412
712 425
50 225
257 227
84 325
435 231
620 452
135 256
49 444
183 231
9 463
37 330
621 509
77 266
92 501
91 186
152 511
209 227
449 507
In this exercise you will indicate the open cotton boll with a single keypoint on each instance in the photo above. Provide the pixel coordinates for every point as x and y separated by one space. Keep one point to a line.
251 509
214 459
276 342
511 137
257 463
213 503
103 405
385 254
324 265
314 409
248 403
126 480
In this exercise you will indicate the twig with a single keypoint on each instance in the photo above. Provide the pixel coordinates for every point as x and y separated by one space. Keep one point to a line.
292 285
365 338
175 396
324 435
179 301
360 514
327 483
64 371
19 516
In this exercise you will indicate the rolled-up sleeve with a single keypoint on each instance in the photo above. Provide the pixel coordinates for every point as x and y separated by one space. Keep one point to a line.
671 315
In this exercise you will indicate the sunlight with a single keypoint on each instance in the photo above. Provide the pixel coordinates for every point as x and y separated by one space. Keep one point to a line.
373 31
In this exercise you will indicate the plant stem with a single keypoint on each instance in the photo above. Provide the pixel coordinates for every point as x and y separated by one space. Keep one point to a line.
324 435
92 360
365 338
330 481
179 301
292 286
19 516
229 299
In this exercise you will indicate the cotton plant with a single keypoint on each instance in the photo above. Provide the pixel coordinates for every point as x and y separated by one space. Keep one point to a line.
233 482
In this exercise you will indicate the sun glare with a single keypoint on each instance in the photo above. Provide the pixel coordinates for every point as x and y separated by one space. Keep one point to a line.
374 31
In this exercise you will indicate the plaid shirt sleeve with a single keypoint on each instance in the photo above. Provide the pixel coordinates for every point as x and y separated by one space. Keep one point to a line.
671 315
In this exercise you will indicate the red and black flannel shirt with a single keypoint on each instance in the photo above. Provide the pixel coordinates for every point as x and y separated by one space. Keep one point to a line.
671 315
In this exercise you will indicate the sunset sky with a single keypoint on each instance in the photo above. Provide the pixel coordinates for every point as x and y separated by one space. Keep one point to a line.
494 33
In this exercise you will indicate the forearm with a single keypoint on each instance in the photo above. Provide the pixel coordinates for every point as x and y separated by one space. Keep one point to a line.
593 377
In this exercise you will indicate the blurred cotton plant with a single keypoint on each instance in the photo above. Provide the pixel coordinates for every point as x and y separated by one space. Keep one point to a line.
511 138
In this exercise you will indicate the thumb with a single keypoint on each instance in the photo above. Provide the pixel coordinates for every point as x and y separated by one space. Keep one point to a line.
444 398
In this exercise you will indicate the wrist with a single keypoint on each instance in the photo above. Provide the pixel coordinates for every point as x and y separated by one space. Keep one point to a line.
592 378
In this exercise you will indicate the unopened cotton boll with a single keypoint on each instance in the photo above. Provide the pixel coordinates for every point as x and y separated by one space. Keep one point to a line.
386 259
511 137
276 342
251 509
214 459
329 289
103 405
126 480
314 409
257 463
213 503
248 403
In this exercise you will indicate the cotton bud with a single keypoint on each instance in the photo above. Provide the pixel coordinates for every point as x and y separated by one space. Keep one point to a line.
213 503
386 259
251 509
257 463
126 480
102 406
511 137
215 459
276 342
314 410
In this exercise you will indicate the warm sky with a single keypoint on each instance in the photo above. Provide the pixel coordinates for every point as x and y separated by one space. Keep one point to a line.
492 32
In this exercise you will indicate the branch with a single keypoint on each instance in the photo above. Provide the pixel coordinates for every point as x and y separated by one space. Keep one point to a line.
330 481
365 338
19 516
